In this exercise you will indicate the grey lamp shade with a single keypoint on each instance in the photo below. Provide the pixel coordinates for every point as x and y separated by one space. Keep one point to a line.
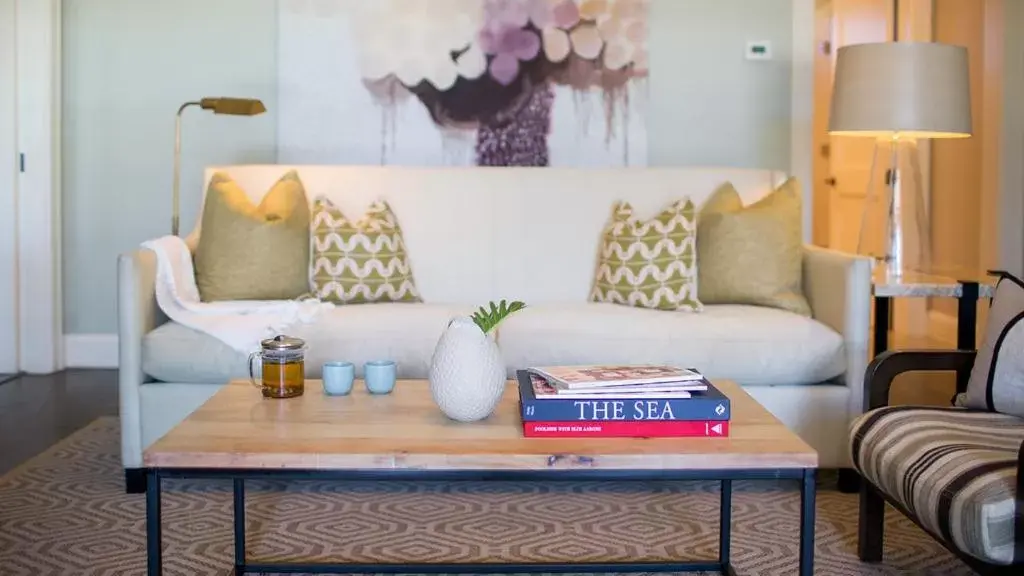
914 89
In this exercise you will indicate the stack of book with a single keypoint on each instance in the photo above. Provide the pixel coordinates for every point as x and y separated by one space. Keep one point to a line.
620 401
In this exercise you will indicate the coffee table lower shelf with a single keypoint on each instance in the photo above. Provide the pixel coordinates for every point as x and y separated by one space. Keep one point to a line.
806 476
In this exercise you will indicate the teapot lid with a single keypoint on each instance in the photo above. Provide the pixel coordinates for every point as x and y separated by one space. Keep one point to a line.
282 342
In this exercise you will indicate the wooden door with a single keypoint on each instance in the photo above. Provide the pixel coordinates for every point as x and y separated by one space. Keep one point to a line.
8 181
823 77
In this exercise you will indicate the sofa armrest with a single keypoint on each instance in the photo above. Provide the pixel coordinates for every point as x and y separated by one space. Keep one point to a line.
137 314
888 365
838 287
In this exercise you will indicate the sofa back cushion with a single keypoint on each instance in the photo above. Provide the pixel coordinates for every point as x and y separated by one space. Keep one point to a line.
256 248
649 263
485 233
359 259
753 254
997 378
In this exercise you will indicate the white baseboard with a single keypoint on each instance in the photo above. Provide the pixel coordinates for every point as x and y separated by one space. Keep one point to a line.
90 350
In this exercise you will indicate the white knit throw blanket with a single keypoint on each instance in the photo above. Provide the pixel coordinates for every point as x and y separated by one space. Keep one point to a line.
240 324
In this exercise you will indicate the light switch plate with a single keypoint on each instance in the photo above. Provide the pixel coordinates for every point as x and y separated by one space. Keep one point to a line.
761 50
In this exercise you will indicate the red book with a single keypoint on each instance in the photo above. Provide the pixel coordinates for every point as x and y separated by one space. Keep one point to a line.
627 429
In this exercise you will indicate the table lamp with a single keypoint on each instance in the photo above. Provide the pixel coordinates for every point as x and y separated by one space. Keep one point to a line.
231 106
897 93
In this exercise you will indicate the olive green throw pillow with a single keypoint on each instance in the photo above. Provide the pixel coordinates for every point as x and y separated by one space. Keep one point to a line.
363 261
250 252
649 264
753 254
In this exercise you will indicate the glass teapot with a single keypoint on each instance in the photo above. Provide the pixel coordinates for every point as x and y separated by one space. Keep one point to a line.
282 372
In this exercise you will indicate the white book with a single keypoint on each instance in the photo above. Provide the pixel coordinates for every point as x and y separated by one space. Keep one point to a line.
613 375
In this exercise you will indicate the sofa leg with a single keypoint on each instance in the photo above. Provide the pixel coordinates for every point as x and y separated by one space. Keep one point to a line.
848 481
135 480
870 536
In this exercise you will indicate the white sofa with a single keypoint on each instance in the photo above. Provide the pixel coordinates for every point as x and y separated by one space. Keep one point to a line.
481 234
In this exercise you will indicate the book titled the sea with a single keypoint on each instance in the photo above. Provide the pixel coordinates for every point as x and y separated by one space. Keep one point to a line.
628 429
707 404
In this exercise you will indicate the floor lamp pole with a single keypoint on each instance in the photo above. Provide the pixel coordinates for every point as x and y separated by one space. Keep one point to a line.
176 189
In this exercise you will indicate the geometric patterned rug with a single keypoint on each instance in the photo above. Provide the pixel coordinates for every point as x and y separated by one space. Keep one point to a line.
65 513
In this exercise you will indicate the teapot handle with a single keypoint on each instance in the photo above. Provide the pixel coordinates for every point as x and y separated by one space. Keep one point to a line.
252 373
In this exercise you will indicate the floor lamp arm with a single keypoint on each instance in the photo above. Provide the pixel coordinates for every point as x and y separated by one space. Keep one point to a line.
176 188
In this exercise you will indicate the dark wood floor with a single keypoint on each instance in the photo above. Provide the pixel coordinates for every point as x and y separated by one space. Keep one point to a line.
37 411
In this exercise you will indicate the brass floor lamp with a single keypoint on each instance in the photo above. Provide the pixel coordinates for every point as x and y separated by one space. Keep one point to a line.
230 106
898 93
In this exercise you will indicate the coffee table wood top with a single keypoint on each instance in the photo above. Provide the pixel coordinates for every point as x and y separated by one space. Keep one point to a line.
238 428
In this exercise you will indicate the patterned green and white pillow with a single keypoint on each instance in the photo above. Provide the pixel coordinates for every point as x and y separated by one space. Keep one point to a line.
649 264
359 262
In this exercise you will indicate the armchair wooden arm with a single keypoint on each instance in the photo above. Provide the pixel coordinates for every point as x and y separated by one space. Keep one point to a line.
888 365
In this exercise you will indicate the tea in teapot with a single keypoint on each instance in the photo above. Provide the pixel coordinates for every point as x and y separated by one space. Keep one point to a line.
282 370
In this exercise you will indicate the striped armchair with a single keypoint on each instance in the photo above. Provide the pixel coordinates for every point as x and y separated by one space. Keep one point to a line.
957 473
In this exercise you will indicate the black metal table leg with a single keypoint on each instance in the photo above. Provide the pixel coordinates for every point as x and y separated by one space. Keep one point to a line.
154 552
239 512
722 563
807 503
725 528
966 326
882 323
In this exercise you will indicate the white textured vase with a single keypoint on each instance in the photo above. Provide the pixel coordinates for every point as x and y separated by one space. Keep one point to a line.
467 374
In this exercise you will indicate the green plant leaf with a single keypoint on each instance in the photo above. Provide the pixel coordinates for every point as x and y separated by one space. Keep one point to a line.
488 318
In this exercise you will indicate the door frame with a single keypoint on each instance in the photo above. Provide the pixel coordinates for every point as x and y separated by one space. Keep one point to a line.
9 363
38 197
821 193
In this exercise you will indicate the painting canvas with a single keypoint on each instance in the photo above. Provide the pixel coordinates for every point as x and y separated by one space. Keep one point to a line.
463 82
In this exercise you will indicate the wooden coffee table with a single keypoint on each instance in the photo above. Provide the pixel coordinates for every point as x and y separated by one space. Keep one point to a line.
237 434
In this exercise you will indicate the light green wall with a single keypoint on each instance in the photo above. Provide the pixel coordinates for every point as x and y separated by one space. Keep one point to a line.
709 105
129 64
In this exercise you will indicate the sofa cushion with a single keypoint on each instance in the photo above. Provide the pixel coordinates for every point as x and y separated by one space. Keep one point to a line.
752 254
404 332
997 377
360 261
752 345
649 263
253 252
953 469
749 344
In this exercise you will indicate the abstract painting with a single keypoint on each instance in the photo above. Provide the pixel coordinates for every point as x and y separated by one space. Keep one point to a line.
463 82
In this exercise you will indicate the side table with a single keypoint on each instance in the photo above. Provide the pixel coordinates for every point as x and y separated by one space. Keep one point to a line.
965 287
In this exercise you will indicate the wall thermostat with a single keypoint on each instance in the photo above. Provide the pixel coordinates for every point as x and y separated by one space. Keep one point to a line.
759 50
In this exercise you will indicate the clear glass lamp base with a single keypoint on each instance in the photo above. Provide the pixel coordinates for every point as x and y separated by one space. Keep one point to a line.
894 226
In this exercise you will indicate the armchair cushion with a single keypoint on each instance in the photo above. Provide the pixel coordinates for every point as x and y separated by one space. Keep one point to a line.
997 379
953 469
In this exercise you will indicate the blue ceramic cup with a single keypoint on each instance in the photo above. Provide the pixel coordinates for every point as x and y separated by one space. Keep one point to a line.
380 376
338 378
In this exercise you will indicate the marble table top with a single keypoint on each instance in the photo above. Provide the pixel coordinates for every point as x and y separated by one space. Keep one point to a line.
939 283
